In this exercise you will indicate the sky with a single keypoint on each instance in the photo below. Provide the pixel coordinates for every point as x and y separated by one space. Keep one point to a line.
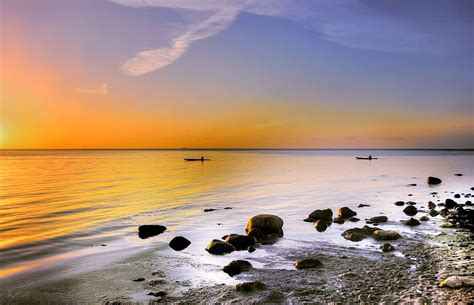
236 74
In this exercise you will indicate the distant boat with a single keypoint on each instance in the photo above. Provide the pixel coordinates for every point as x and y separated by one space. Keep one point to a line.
194 159
366 158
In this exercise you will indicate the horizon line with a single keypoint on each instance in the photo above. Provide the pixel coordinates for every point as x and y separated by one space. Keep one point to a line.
233 148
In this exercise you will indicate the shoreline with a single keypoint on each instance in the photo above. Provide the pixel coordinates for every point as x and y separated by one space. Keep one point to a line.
349 274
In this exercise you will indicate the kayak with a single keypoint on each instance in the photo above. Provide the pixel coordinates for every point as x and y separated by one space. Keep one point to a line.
365 158
191 159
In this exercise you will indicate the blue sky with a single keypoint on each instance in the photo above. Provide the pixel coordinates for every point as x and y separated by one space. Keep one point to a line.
409 63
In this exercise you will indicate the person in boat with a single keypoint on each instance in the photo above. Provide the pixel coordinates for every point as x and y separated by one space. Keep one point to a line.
370 157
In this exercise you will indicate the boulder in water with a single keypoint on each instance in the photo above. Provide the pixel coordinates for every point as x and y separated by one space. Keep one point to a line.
434 213
345 212
179 243
338 220
377 219
387 247
399 203
433 180
450 204
320 225
411 222
410 210
386 235
325 214
237 267
268 224
240 242
146 231
431 205
424 218
219 247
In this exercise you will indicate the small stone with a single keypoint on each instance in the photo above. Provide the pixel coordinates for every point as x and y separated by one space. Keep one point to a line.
219 247
251 249
457 196
179 243
237 267
386 235
338 220
433 180
459 175
250 286
158 294
209 210
362 205
446 224
325 214
399 203
320 225
410 210
431 205
434 213
411 203
146 231
140 279
377 219
411 222
307 263
345 212
450 204
424 218
387 247
353 219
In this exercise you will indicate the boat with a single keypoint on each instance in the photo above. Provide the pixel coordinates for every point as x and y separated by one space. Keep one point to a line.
194 159
366 158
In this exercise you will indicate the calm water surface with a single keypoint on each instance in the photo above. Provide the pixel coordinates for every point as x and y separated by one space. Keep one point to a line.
59 205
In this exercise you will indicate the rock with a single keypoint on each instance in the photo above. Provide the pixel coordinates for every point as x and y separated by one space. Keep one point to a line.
139 279
268 224
411 203
338 220
353 219
468 202
386 235
179 243
434 213
399 203
443 212
219 247
387 247
240 242
146 231
362 205
307 263
411 184
433 180
459 175
256 233
210 210
251 249
355 234
158 294
411 222
320 225
424 218
319 214
431 205
228 208
446 224
450 204
345 212
410 210
250 286
237 267
377 219
457 282
457 196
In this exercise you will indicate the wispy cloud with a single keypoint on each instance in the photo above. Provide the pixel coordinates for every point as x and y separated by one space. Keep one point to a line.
103 89
407 27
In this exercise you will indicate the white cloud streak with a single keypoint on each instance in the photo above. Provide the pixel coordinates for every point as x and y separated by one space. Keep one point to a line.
354 24
103 89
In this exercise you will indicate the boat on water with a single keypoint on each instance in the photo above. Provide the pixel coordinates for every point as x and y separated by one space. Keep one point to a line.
366 158
202 159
